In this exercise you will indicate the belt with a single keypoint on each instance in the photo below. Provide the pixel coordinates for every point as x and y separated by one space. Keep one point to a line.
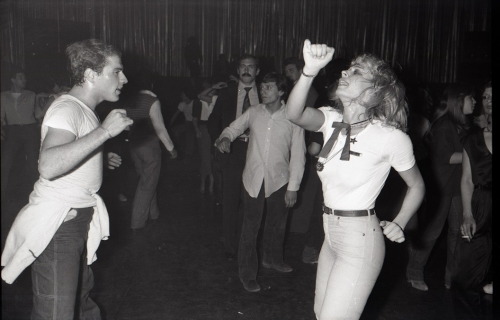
348 213
244 139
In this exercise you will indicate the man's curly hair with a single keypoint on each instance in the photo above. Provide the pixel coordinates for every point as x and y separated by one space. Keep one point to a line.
92 54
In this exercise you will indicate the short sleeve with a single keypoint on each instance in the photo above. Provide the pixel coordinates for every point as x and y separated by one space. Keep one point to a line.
331 115
400 151
66 116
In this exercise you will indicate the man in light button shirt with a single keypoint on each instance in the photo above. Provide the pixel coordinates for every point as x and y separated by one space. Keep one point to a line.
272 175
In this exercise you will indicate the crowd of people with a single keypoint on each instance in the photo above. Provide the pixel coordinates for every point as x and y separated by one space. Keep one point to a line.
261 145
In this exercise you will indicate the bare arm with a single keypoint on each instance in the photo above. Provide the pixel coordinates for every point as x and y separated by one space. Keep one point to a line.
159 126
316 56
468 227
314 148
297 163
413 198
61 151
205 94
229 134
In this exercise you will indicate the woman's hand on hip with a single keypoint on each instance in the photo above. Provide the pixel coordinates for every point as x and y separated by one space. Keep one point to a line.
393 231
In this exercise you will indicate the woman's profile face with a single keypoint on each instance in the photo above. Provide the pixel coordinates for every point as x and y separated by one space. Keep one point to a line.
469 103
486 99
354 81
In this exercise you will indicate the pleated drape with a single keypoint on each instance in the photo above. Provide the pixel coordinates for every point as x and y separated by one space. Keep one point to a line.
425 36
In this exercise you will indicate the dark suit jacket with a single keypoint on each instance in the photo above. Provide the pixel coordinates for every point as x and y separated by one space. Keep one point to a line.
224 111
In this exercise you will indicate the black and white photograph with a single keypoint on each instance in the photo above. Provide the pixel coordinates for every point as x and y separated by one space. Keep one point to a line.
247 160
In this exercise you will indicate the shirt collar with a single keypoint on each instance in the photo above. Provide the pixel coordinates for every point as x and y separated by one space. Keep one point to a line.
241 85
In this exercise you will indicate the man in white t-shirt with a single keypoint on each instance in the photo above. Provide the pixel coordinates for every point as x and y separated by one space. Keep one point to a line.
60 229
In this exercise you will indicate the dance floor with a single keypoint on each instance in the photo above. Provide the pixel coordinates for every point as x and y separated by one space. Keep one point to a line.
175 268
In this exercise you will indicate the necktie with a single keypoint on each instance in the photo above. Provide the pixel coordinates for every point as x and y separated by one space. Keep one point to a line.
329 144
246 100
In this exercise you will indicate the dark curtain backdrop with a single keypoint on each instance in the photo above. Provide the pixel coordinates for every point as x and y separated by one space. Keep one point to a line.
425 37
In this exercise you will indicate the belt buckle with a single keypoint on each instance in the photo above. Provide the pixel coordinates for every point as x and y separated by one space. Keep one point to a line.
327 210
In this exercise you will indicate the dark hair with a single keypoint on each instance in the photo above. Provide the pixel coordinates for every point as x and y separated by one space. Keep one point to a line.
249 56
277 78
486 86
299 63
88 54
14 71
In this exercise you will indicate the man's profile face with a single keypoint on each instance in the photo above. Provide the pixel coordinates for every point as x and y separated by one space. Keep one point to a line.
292 73
248 70
110 81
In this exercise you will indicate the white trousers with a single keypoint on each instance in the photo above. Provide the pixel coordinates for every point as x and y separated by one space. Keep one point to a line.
349 263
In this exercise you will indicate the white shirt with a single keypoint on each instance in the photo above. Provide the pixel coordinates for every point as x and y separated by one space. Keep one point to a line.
276 150
51 200
356 184
253 96
69 113
206 108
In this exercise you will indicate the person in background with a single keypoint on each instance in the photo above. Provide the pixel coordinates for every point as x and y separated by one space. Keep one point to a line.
231 103
44 100
363 142
473 255
184 133
59 230
271 178
292 69
144 141
445 151
202 108
20 130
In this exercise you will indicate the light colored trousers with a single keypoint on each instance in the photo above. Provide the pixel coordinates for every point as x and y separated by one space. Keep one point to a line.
349 264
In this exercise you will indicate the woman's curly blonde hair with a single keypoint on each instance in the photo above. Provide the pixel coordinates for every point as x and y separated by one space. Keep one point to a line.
385 100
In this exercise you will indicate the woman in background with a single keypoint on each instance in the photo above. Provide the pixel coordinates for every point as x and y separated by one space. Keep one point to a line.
202 108
474 252
445 137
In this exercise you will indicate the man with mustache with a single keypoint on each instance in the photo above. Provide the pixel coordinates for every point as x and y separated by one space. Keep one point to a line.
59 231
231 104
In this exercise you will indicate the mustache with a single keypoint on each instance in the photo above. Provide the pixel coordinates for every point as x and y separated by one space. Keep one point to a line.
246 74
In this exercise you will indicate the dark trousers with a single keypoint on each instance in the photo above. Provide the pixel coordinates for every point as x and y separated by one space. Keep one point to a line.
273 235
315 233
146 156
61 278
24 139
232 165
449 210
